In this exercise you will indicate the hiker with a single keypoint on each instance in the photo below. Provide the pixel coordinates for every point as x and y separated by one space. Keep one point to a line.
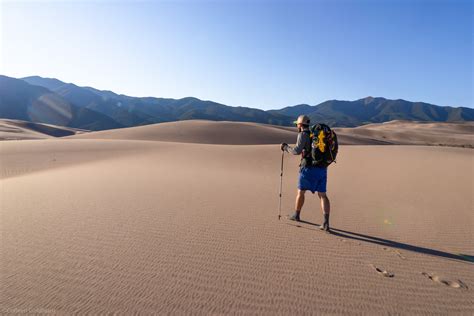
311 177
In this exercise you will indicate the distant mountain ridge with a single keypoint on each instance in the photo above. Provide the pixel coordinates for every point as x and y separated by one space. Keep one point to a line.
133 111
377 110
100 109
22 101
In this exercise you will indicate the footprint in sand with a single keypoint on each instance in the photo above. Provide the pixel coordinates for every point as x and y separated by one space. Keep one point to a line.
395 251
344 240
454 284
383 272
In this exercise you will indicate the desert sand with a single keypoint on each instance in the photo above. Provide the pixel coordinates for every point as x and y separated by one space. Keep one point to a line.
201 131
159 222
19 130
238 133
413 133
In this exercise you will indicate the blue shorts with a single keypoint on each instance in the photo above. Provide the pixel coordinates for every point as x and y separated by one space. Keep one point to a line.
313 179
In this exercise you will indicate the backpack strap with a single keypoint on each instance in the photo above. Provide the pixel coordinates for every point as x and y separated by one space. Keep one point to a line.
306 153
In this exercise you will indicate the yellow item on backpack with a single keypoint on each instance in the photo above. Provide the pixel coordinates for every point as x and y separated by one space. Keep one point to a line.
321 145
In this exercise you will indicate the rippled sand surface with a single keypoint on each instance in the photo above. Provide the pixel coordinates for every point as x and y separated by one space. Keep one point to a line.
130 226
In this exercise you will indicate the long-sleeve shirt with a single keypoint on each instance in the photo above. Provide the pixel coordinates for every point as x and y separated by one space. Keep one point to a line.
302 142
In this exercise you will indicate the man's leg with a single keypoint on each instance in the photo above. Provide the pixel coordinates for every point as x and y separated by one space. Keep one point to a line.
298 205
299 200
326 208
325 205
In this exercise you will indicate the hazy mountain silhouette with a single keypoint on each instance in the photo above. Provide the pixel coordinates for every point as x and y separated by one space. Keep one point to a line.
132 111
120 110
22 101
295 110
377 110
48 83
90 98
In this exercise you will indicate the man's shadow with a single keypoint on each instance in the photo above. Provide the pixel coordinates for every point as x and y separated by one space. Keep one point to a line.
395 244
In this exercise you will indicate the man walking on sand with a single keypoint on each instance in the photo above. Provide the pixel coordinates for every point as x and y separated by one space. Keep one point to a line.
311 177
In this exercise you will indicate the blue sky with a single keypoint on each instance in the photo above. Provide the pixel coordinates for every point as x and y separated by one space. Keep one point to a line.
264 54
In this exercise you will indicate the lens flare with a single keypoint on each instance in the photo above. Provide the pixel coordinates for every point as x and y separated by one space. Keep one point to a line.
50 109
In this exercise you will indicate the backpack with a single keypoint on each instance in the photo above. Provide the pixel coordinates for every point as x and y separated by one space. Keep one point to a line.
324 146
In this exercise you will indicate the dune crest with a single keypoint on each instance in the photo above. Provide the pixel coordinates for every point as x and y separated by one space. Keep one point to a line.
241 133
414 133
201 131
19 130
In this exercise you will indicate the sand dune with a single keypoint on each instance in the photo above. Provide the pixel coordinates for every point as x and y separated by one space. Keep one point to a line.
201 131
413 133
239 133
17 130
125 226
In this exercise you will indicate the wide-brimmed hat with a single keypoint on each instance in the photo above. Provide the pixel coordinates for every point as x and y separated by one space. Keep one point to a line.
302 119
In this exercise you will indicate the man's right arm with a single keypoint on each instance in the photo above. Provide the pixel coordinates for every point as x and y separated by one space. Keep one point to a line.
299 146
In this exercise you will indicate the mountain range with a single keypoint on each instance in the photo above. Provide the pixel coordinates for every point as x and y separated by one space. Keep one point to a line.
51 101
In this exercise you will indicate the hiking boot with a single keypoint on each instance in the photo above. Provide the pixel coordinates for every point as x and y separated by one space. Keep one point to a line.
325 225
295 217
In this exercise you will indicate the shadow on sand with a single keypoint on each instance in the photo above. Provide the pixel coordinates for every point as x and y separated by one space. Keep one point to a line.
395 244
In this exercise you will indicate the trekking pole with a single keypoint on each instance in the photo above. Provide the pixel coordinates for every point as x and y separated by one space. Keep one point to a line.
281 183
